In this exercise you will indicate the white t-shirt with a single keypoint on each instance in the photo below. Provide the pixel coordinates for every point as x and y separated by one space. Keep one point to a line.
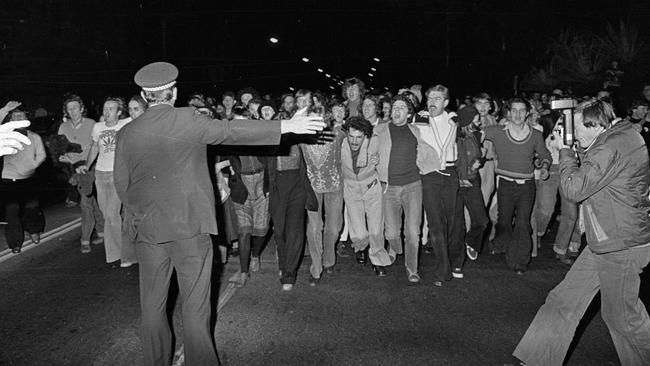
105 137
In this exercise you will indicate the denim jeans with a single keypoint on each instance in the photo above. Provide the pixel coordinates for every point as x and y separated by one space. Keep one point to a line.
322 236
444 213
22 210
407 200
545 200
110 205
616 276
472 199
91 217
515 202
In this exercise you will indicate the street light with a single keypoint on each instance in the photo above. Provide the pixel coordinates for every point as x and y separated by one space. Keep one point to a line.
291 88
328 75
371 74
373 69
376 59
305 59
273 40
319 69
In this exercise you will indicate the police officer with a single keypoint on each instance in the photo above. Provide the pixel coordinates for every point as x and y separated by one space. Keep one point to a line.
161 177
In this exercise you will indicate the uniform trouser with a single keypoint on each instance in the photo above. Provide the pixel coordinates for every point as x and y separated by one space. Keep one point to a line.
91 216
515 201
110 205
322 235
406 199
472 199
616 275
367 221
444 211
287 204
192 259
22 210
128 237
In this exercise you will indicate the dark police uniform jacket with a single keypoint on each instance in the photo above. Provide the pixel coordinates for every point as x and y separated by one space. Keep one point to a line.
161 169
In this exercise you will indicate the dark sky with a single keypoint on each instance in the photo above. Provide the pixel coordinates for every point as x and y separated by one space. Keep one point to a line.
95 47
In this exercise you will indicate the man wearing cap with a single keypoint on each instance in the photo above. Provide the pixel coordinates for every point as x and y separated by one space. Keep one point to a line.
161 176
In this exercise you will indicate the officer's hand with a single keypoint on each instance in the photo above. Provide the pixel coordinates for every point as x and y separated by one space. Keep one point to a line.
465 183
302 124
11 141
11 105
557 141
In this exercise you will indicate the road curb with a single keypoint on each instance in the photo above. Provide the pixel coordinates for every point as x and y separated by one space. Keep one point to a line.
45 237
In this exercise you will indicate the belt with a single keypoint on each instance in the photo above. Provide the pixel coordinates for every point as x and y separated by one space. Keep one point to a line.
516 180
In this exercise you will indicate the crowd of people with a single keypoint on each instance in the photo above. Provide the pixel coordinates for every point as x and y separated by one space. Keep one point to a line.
442 182
391 175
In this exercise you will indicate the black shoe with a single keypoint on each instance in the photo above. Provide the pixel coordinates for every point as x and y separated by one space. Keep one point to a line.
362 257
15 250
379 270
328 270
114 264
313 281
427 249
341 249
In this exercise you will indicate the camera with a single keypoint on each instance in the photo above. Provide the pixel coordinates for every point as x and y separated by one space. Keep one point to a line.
566 106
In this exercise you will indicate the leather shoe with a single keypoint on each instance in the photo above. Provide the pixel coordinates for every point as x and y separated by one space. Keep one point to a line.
15 250
35 238
380 270
427 249
362 257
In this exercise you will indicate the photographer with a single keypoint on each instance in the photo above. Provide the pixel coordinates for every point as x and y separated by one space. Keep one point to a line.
612 183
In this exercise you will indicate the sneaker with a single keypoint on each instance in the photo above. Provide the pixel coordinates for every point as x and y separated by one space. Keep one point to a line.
255 264
85 248
287 286
457 273
98 240
414 278
471 252
126 264
100 234
243 278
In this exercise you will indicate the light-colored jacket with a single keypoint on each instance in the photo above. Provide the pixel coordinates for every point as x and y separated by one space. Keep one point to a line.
427 157
367 172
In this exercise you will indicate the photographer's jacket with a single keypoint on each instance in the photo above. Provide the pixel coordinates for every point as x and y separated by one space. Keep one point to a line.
612 184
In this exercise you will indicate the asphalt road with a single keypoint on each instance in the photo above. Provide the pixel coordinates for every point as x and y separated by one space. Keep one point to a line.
60 307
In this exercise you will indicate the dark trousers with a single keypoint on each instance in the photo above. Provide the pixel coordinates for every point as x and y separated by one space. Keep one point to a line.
287 204
515 202
441 203
22 210
472 198
192 259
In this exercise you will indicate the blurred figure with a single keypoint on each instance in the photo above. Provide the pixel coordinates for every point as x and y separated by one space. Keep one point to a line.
20 190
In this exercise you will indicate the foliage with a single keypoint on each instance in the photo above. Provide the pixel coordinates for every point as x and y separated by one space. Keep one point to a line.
579 59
